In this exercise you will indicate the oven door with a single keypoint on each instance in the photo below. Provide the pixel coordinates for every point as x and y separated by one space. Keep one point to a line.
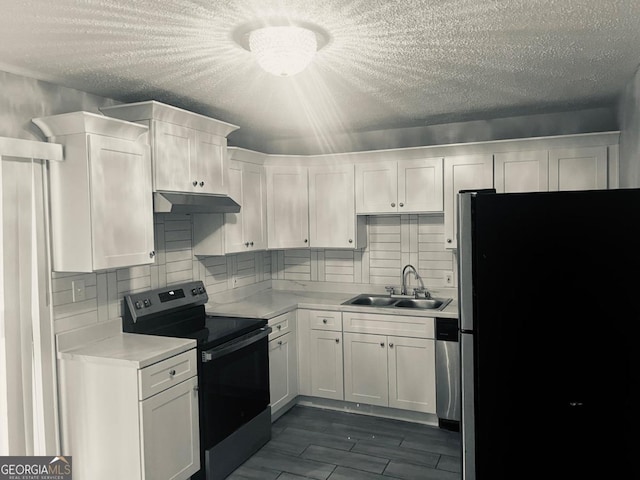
234 385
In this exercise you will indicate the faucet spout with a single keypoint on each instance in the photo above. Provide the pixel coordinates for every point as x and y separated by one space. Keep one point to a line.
403 291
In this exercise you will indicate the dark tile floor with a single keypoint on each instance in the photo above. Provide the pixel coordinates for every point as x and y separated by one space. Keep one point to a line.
312 443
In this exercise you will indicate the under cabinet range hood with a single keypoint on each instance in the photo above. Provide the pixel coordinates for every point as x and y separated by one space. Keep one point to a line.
179 202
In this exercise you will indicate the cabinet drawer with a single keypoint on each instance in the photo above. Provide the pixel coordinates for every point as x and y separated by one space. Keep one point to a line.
282 324
325 320
167 373
418 327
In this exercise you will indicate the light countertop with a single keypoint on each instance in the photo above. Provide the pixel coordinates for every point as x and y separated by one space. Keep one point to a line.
129 350
271 303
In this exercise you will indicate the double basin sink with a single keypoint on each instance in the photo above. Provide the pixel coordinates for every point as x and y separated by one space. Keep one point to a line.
394 302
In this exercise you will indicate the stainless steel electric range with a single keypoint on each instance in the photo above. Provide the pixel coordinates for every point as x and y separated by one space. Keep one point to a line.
233 370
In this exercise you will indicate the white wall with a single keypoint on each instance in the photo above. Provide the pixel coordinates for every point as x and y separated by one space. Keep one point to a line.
629 118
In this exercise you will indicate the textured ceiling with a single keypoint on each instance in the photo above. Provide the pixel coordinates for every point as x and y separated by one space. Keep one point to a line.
388 64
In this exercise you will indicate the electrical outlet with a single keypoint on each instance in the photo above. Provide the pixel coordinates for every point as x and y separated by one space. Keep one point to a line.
234 281
448 278
77 290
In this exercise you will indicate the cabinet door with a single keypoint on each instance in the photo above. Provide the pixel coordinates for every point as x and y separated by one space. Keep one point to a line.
173 151
462 173
254 207
210 165
420 185
233 233
287 207
522 171
332 216
283 373
170 433
325 363
578 168
412 374
121 203
376 187
365 369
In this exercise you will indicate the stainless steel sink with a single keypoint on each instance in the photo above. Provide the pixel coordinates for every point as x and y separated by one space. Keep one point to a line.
385 301
421 303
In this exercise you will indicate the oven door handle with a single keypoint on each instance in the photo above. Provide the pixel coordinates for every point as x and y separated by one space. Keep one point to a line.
249 339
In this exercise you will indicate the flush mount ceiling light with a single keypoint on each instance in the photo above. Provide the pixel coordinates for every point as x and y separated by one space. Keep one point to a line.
282 48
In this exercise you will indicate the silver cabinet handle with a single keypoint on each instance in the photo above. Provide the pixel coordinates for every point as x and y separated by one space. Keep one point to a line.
351 240
393 204
202 184
152 253
172 372
449 240
195 182
401 204
391 345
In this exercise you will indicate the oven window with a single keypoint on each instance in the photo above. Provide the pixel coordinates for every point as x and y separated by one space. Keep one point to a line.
235 388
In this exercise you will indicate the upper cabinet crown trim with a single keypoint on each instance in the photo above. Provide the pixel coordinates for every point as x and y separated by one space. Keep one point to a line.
153 110
87 122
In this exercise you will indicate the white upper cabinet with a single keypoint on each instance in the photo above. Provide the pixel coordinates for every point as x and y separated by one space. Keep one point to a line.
332 216
101 203
578 168
188 150
404 186
287 207
463 172
247 230
522 171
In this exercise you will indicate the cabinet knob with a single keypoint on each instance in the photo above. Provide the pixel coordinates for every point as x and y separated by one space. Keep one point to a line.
172 372
401 204
337 340
391 345
152 253
324 320
196 388
195 182
202 184
279 327
449 240
279 342
382 344
351 240
305 240
246 244
393 204
251 243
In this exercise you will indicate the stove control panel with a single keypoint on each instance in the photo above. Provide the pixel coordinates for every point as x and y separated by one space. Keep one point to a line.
153 302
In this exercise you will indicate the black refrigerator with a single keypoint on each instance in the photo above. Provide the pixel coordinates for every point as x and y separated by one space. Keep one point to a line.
549 296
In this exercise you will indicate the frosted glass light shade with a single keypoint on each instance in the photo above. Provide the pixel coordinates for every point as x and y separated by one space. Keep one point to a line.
284 50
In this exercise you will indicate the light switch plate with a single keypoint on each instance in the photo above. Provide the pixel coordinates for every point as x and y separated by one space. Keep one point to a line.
448 278
77 290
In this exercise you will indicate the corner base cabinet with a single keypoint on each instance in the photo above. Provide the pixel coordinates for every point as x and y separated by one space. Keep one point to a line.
120 421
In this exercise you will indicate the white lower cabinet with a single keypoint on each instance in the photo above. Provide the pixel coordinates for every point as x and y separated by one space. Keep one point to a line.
325 350
119 421
283 362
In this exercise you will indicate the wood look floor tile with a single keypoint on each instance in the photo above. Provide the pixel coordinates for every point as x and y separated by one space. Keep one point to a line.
442 447
345 473
350 432
398 453
450 464
358 461
409 471
274 460
245 472
300 438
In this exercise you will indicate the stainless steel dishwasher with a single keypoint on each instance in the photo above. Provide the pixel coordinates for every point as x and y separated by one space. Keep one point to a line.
448 374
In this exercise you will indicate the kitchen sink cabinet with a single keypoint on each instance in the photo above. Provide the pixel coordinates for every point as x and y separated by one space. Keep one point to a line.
188 150
404 186
389 361
462 172
119 421
283 363
101 203
246 230
287 207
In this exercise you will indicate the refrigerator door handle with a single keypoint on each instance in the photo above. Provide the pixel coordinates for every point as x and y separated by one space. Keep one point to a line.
465 261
